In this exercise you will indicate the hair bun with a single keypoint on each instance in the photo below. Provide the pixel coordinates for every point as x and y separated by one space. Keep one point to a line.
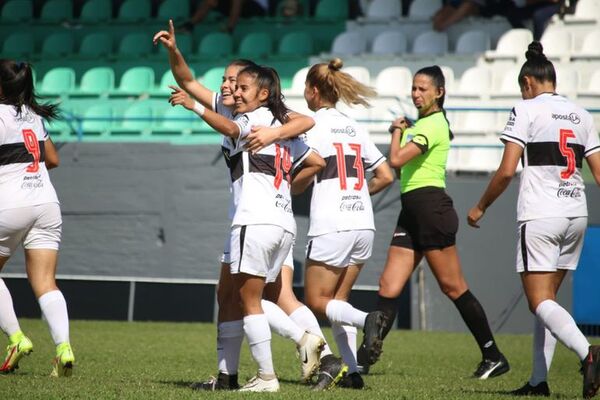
535 51
336 64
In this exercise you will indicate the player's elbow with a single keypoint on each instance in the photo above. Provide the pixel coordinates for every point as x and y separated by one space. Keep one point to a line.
52 160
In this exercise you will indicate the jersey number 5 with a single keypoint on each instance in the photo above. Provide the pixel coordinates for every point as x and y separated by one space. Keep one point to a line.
341 165
282 167
33 147
567 152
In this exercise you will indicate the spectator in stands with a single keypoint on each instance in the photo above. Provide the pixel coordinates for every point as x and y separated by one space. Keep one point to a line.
428 223
234 9
551 136
515 11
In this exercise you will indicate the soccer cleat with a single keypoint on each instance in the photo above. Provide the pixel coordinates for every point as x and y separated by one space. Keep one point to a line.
261 384
63 362
19 346
490 368
309 351
331 370
370 349
541 389
222 382
590 368
352 381
363 369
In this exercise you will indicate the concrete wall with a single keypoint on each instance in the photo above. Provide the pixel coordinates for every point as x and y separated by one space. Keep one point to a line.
160 211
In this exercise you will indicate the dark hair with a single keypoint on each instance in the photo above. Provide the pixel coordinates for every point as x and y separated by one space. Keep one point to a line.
16 85
267 78
537 65
334 84
241 62
436 75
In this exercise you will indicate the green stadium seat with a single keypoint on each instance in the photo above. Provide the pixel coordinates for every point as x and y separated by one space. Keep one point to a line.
57 45
136 81
256 45
177 10
56 11
98 81
96 11
135 45
97 119
184 44
213 78
163 90
178 121
332 9
58 82
18 45
62 127
216 44
296 44
137 119
134 10
17 11
94 45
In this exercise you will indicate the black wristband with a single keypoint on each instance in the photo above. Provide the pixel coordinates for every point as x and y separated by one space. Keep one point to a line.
392 128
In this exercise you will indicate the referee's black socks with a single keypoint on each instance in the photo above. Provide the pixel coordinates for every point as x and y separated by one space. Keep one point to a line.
390 309
472 313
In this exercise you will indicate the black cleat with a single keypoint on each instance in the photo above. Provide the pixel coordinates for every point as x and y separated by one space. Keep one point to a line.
331 370
490 368
370 349
590 368
363 369
541 389
352 381
223 382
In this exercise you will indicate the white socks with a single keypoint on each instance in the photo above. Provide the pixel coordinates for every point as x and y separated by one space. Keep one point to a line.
345 337
229 342
543 351
8 318
342 313
281 323
563 327
258 333
306 320
54 310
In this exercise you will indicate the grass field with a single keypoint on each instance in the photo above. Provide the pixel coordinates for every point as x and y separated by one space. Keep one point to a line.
118 360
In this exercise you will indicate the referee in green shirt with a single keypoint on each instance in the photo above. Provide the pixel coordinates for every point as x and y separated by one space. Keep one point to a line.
428 223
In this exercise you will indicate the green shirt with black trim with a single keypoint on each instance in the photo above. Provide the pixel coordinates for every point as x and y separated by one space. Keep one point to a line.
432 135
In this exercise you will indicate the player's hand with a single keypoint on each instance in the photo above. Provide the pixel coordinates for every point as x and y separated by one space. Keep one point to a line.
166 38
474 216
260 137
180 97
402 123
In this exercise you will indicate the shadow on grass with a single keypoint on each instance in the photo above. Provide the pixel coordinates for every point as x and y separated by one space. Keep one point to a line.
179 383
509 394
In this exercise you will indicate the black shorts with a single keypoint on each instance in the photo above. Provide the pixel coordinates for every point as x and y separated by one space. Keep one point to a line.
427 221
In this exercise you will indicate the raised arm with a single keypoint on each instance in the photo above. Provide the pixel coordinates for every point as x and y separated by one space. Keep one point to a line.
262 136
216 121
498 183
181 71
400 155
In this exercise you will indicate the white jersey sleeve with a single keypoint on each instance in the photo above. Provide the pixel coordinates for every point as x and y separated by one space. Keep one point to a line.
517 127
372 156
299 150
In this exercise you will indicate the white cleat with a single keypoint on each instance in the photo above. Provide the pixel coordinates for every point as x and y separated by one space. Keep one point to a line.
261 384
309 351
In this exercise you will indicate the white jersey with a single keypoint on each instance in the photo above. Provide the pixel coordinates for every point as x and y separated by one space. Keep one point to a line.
261 181
340 198
227 144
556 135
24 179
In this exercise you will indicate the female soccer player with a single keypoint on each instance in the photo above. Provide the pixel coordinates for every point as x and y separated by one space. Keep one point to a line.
263 226
341 232
551 135
428 223
29 213
230 326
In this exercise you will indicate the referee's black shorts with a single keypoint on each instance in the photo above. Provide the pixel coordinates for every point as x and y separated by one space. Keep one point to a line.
427 220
